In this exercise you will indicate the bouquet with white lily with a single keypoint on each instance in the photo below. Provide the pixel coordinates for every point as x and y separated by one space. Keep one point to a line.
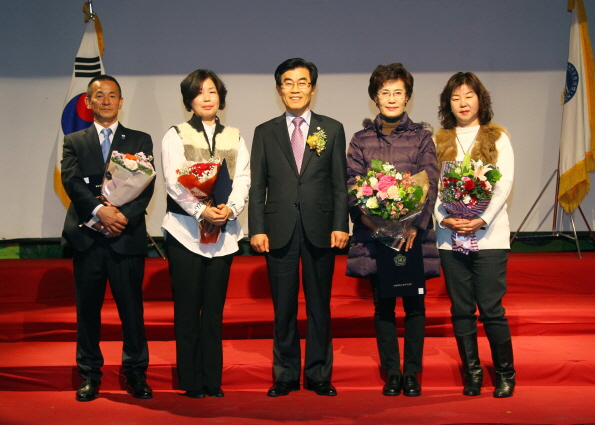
466 190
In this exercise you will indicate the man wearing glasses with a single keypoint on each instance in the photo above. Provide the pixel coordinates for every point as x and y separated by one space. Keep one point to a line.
298 210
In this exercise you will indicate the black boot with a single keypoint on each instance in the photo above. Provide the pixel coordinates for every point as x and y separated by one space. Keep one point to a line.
472 371
504 368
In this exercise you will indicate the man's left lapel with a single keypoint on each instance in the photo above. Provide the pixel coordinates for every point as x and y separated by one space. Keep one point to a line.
315 123
118 143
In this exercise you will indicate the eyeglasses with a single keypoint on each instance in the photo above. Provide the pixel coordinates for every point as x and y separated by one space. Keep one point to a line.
385 94
288 85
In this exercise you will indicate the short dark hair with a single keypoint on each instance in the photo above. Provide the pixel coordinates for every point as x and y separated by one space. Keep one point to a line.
192 84
102 77
392 72
485 113
294 63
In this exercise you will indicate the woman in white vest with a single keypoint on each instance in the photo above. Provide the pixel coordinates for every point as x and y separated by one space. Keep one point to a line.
200 271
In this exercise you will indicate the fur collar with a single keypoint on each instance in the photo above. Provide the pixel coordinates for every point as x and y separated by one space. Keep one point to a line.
484 148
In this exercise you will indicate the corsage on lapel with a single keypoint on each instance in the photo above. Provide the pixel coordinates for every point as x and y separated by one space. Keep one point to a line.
317 141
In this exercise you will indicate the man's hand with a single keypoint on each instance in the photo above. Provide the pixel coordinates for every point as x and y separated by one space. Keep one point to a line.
112 219
216 215
260 243
339 239
99 227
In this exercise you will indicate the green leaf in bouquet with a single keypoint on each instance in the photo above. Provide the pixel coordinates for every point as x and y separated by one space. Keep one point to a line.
493 175
419 192
376 165
466 162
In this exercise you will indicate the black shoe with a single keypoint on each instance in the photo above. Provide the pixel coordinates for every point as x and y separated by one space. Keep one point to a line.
136 385
88 390
283 388
214 391
394 385
194 394
322 388
411 387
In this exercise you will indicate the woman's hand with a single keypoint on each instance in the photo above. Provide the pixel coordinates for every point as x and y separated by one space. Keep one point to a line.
218 215
408 239
463 226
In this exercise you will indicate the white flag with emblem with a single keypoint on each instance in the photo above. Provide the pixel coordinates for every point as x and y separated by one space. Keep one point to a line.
577 142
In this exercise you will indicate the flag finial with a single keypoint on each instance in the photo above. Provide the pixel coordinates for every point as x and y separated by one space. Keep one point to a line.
89 14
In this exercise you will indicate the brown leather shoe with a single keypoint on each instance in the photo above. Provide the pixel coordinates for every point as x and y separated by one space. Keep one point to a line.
88 390
137 386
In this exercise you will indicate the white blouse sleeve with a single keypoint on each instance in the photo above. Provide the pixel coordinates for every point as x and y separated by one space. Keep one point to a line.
172 157
502 187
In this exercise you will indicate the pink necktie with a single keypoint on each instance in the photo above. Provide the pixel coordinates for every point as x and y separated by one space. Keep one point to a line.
297 142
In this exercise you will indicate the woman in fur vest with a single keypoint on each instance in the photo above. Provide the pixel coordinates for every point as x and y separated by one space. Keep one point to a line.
200 271
476 279
394 138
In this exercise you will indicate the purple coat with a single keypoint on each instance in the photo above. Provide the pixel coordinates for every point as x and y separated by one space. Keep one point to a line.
408 148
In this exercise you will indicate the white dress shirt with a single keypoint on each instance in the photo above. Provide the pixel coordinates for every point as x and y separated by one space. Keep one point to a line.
304 127
99 128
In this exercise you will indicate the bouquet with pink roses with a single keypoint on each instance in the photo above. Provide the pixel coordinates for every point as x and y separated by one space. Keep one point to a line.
390 200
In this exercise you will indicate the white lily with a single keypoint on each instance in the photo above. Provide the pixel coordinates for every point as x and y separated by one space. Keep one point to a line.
480 169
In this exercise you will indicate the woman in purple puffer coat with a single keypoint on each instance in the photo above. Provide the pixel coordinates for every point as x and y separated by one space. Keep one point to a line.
392 137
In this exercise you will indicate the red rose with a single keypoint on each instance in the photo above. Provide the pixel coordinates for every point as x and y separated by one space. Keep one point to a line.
469 185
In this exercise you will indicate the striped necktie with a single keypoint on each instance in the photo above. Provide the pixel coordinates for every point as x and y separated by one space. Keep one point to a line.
297 142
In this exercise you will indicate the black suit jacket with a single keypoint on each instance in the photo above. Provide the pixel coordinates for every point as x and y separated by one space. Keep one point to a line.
319 191
82 158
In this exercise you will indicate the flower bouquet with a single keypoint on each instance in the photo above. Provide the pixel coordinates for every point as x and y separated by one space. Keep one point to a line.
199 179
390 200
467 188
126 177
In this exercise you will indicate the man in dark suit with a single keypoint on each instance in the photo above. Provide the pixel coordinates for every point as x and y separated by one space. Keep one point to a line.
298 209
107 242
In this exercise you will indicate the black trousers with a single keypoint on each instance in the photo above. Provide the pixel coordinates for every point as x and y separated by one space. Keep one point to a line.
199 287
473 281
386 331
92 268
317 275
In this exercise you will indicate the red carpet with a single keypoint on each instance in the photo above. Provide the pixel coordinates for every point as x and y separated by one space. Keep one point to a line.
530 405
549 305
